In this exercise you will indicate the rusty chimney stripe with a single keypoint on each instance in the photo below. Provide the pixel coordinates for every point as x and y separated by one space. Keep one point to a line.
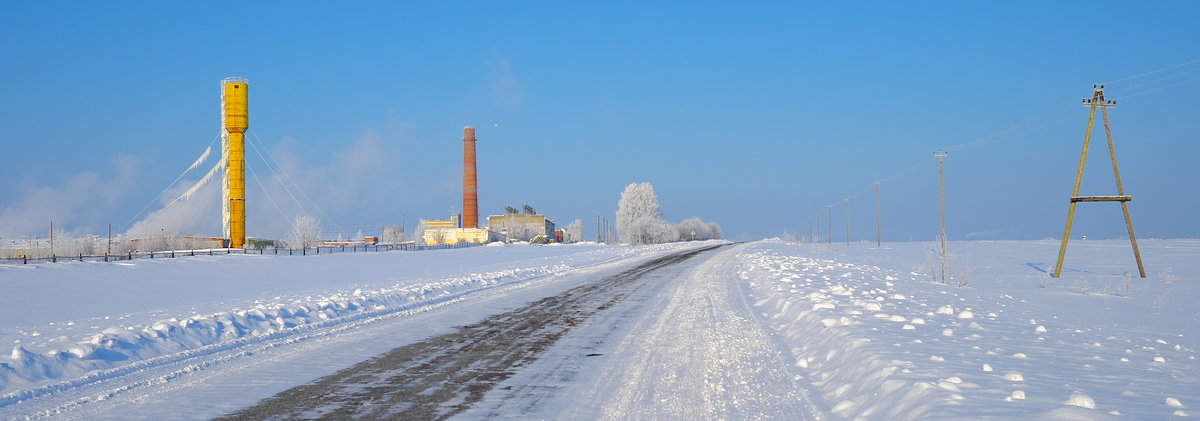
470 184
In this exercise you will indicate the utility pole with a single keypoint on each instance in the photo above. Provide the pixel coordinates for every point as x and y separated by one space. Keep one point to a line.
878 230
607 231
599 228
830 223
847 222
941 156
1097 101
51 238
810 231
818 239
109 249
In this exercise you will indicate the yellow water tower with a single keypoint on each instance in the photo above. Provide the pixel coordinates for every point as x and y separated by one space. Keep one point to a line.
234 102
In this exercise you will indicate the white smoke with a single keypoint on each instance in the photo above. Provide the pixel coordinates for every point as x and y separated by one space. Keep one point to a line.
86 201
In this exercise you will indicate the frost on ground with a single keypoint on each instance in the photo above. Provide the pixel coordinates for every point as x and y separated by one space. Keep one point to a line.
878 340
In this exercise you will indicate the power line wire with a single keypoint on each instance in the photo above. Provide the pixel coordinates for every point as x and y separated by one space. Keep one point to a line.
293 181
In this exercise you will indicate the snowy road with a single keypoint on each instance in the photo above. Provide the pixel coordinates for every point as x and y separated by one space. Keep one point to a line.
689 347
670 338
446 374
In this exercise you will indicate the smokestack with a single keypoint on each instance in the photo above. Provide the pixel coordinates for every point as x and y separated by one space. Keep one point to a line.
470 185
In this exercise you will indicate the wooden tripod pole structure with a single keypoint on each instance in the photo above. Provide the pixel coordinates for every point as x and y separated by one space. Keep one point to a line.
1098 102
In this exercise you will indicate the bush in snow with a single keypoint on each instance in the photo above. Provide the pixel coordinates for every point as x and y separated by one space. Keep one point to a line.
696 229
305 233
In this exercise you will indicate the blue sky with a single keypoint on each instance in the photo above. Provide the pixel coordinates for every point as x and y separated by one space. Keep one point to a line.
756 116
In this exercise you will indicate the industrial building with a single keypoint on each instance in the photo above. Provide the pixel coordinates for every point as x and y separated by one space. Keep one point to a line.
516 226
511 226
451 231
464 228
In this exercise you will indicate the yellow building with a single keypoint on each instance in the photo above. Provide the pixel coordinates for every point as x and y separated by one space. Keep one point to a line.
450 231
439 236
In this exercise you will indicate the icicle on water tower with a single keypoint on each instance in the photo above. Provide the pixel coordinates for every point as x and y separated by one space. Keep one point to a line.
235 120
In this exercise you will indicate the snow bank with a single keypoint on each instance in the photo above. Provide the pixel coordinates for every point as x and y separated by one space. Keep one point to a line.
880 341
115 350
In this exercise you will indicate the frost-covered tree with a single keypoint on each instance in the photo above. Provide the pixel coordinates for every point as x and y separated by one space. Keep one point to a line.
419 236
648 230
696 229
392 235
305 233
573 233
714 231
638 214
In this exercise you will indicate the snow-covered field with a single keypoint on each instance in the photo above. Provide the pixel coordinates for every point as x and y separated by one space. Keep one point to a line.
854 332
879 340
79 323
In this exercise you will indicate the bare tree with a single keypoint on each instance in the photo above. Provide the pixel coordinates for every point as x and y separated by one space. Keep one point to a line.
438 236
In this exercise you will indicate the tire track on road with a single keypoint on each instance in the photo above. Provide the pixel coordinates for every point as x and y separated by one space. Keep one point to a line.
444 375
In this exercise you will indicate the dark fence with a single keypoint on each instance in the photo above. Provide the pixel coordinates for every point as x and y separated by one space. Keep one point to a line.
315 251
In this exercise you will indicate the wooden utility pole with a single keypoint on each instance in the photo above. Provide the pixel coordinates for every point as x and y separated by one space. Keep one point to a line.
810 229
847 222
878 219
830 224
51 238
818 228
1098 102
941 156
